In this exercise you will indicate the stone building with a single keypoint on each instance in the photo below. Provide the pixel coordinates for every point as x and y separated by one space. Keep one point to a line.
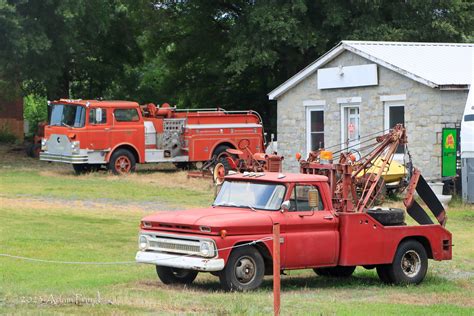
359 88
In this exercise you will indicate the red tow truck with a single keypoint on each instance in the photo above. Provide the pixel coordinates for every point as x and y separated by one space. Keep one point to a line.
90 134
327 223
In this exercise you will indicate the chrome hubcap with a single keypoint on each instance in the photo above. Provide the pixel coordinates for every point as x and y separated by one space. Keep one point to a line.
411 263
245 270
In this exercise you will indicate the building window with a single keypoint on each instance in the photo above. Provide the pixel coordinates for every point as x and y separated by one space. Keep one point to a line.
315 128
395 114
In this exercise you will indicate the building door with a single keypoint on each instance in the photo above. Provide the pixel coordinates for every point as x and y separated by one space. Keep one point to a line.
350 127
314 128
395 114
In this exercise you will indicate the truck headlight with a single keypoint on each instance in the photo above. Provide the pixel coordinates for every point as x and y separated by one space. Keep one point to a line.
44 144
143 243
75 147
207 249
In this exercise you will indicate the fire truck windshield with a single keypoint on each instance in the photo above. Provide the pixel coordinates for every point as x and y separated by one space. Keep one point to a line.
68 115
252 195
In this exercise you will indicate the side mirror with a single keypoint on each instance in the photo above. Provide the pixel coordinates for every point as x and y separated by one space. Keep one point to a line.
313 198
98 115
285 206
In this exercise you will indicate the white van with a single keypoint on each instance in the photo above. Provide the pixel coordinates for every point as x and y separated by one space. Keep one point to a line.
467 148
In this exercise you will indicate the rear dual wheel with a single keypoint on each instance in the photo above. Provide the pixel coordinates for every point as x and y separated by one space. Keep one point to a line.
409 265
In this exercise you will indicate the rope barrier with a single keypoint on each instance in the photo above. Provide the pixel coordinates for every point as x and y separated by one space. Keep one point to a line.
5 255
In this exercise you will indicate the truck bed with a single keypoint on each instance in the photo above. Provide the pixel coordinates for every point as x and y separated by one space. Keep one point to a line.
364 241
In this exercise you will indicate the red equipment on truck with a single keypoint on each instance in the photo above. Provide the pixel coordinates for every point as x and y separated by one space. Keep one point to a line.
118 134
325 219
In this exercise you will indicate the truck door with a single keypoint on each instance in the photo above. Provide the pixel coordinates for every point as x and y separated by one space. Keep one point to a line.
99 129
309 233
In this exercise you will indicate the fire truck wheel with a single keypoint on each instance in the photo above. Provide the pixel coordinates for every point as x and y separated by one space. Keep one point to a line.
244 270
169 275
387 216
220 150
410 263
81 169
122 162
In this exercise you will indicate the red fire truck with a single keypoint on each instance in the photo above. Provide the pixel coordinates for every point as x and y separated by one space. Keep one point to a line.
90 134
326 219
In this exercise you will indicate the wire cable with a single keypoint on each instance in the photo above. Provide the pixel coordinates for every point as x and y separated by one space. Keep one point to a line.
173 256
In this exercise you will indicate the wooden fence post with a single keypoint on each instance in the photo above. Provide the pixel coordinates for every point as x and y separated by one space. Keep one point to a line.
276 269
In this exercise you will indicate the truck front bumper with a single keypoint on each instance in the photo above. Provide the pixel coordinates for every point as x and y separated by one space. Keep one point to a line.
79 159
180 261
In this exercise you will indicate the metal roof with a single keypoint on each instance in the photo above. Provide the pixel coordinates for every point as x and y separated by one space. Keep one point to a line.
433 64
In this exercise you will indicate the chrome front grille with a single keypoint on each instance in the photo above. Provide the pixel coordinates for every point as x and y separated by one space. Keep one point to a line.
174 245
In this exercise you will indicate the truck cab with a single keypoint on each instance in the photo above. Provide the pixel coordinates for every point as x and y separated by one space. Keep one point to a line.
88 134
233 238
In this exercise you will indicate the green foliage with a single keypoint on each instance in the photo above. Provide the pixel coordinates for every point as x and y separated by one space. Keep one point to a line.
6 136
35 110
199 53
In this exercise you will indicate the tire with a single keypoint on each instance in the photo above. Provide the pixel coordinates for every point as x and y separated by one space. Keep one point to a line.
219 150
244 270
183 165
169 275
220 170
337 272
121 162
321 271
388 216
382 272
81 169
410 263
35 152
85 168
29 150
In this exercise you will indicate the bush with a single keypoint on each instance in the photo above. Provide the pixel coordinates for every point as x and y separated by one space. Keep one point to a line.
35 111
6 136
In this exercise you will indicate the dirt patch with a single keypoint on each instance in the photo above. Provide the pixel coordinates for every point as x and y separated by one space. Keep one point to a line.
95 206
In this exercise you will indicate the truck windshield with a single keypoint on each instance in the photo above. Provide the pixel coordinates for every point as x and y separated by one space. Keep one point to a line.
68 115
252 195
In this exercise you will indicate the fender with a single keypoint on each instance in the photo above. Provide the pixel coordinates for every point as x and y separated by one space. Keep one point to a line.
222 142
235 241
140 158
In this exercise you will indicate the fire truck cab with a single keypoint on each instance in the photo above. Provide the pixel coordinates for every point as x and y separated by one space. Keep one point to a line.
118 134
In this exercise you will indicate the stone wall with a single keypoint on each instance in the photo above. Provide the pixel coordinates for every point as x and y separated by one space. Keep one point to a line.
426 109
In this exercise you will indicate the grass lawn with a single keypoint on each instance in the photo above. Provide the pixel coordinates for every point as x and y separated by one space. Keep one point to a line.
47 212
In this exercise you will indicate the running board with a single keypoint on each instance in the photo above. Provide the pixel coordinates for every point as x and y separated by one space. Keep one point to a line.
414 209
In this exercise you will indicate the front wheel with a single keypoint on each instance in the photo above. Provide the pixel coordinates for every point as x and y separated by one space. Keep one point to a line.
244 270
122 162
169 275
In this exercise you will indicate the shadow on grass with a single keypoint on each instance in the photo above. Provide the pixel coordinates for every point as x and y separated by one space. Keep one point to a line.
366 279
